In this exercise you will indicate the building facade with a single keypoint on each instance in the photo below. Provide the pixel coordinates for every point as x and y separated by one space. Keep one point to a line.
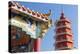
64 35
26 28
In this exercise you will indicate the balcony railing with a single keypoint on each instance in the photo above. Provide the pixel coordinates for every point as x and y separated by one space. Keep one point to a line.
62 26
63 40
63 33
62 48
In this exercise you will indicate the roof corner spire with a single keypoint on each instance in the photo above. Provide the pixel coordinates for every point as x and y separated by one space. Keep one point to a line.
48 14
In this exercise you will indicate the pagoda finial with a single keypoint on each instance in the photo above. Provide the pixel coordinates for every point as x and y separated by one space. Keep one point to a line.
62 14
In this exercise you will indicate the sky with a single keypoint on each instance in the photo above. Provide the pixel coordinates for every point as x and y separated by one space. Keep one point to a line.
70 12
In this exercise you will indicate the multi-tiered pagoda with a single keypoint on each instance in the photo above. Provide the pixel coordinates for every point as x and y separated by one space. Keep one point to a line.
64 36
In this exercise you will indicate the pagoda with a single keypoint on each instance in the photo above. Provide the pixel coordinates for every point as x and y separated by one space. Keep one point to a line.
64 35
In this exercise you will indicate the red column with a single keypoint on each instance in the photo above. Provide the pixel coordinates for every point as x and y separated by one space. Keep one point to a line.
37 43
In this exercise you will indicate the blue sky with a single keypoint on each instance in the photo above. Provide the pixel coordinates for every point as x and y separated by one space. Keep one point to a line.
70 11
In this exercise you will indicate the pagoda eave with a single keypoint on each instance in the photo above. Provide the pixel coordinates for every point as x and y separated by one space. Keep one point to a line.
63 27
63 48
64 41
64 33
64 20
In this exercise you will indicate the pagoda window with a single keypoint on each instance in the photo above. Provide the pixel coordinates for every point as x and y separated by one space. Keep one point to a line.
64 23
63 30
61 38
59 45
58 38
68 30
64 37
69 37
64 44
58 31
59 23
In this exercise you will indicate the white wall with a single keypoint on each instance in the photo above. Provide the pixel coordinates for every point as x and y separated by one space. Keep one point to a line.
4 26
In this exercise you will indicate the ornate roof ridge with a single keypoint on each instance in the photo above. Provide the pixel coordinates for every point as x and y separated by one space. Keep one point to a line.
21 8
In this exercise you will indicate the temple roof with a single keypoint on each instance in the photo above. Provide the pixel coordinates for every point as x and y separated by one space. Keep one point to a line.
16 7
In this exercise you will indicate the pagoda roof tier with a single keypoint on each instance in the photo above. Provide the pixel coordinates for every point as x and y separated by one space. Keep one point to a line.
64 20
19 9
63 33
64 48
56 43
63 26
64 40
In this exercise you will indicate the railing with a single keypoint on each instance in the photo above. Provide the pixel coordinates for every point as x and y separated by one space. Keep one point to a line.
62 26
63 40
63 33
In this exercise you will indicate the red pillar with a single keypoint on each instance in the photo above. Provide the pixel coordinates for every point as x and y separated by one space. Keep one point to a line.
37 43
